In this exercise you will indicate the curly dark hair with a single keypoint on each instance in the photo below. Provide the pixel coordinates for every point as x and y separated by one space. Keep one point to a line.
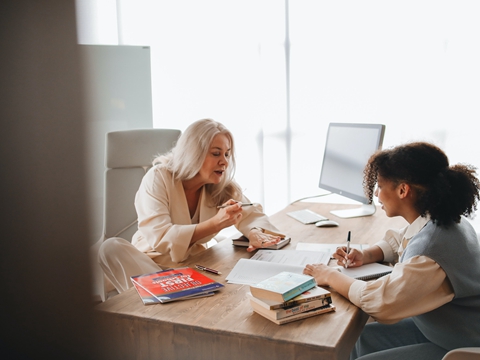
444 192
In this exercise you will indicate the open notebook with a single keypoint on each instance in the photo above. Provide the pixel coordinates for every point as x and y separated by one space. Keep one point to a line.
367 272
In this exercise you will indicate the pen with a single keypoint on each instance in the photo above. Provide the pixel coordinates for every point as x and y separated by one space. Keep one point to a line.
200 267
348 248
224 206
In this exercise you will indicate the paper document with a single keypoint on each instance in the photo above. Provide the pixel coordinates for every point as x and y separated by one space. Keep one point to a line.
251 272
329 248
293 257
266 263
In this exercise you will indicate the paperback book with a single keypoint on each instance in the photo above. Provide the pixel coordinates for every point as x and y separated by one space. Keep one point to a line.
278 314
282 286
303 315
173 284
315 293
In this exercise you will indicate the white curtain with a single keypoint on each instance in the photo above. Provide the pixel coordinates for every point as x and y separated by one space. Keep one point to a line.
277 72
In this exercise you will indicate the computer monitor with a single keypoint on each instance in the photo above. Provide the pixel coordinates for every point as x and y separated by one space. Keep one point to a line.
347 150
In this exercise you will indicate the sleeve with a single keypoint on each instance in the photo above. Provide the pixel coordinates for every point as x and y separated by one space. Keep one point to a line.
405 292
390 244
156 231
253 216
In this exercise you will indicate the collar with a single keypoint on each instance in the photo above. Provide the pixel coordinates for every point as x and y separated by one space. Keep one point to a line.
415 227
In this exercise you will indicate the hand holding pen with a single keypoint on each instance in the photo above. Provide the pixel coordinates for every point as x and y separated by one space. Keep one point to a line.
347 256
229 213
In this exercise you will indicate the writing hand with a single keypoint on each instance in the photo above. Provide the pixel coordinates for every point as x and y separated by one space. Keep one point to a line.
352 259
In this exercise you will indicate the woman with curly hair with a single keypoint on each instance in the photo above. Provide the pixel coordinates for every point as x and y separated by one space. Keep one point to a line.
183 201
430 303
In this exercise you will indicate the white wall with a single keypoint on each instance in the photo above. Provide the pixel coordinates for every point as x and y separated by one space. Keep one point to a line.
118 96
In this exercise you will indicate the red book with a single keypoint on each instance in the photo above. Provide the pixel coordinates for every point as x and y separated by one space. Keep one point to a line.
173 284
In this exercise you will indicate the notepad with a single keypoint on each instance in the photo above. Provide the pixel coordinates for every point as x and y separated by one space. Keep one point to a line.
367 272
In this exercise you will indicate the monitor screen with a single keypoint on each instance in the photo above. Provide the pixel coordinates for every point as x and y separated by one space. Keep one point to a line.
347 150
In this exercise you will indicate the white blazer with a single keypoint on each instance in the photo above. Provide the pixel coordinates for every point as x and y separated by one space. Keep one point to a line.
164 224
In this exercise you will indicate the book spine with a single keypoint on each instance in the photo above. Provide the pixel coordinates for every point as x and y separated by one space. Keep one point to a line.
188 292
283 313
299 289
305 314
292 303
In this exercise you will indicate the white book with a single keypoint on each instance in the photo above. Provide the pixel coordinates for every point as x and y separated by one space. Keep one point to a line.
267 263
251 272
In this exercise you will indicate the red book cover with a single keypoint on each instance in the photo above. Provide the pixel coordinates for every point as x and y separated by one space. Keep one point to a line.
173 284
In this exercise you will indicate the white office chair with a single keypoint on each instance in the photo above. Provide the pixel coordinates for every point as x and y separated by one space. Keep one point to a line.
128 156
467 353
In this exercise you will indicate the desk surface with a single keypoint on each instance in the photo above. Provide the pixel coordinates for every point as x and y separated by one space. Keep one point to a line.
224 326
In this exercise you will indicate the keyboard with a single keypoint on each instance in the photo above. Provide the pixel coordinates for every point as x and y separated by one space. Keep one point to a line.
306 216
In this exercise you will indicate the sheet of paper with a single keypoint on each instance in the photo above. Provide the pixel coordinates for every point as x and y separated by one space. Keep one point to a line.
251 272
293 257
329 248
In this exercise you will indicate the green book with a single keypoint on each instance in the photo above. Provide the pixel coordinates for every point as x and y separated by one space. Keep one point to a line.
282 286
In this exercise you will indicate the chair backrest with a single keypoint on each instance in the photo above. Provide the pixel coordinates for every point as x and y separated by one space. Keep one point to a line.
129 154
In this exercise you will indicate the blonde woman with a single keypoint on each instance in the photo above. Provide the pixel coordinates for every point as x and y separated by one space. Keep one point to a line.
178 207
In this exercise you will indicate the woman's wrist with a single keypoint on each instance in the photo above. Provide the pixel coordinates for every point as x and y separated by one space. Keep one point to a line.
372 254
254 230
338 281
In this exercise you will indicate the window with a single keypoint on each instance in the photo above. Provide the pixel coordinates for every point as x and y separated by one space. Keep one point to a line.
411 65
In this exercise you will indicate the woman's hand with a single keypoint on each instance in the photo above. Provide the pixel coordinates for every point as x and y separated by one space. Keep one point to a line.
228 215
258 239
320 272
326 275
353 259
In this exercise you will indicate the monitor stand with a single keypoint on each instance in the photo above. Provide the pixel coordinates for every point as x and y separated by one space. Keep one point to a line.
364 210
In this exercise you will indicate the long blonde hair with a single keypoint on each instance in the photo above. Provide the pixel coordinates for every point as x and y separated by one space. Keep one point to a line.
186 159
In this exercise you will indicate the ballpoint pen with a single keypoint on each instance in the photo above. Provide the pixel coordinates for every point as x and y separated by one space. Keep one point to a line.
224 206
203 268
348 249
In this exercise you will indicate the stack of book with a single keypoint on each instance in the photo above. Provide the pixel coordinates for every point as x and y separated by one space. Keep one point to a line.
288 297
173 284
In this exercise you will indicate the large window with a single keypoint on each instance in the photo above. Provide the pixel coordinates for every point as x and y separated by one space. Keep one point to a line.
276 73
